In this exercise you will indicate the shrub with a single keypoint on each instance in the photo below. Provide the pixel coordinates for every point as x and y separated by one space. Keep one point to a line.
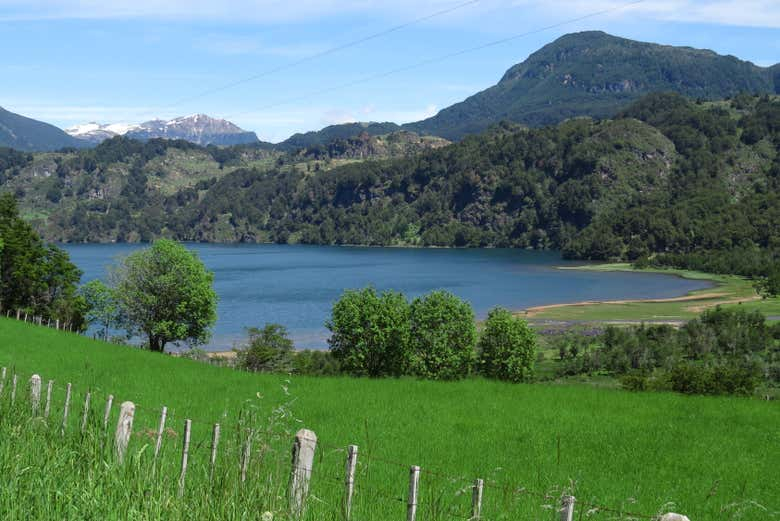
634 382
443 336
695 378
316 363
269 350
507 347
370 333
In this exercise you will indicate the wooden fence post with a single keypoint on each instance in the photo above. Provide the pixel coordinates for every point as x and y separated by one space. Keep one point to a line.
65 409
106 414
247 455
35 394
85 417
160 430
185 453
349 483
567 508
302 463
476 500
214 445
13 389
2 380
47 408
414 485
124 429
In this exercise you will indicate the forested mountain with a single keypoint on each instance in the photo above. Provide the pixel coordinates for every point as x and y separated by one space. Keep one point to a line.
667 176
27 134
122 178
595 74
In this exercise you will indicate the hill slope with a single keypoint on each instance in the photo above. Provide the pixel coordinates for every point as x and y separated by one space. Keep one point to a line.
595 74
28 134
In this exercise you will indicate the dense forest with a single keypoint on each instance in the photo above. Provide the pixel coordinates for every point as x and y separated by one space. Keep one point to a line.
669 181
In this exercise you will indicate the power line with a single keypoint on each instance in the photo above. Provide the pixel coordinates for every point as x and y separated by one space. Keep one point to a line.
321 54
436 59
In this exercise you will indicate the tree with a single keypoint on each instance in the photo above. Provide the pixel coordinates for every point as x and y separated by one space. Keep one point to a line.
102 305
507 347
166 294
370 333
35 276
443 336
769 286
269 350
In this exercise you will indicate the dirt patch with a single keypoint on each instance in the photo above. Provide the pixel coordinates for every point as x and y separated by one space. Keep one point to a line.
533 311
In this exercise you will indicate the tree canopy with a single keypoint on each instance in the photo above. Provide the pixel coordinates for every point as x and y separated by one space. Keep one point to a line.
166 295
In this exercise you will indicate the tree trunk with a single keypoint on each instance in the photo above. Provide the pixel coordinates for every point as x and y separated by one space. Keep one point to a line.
156 344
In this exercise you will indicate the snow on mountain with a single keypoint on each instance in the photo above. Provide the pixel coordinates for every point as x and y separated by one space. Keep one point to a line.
198 128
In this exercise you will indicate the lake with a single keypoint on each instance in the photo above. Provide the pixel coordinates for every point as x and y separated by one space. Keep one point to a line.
296 285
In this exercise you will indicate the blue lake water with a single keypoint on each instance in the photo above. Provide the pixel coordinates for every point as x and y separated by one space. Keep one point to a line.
296 285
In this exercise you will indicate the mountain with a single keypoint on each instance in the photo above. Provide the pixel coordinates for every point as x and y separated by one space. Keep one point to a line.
596 74
328 134
198 128
28 134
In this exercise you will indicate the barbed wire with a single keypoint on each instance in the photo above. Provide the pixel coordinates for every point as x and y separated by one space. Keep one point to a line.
227 447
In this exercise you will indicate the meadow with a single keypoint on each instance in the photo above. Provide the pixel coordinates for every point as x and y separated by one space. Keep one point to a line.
712 458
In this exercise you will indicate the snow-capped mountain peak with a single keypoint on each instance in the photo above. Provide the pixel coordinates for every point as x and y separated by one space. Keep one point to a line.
197 128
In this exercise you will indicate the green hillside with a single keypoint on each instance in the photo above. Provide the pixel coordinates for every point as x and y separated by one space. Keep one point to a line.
595 74
710 458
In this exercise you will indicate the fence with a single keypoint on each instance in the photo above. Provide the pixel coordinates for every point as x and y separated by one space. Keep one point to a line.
39 320
305 448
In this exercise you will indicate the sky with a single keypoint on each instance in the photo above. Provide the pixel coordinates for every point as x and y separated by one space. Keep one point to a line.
267 65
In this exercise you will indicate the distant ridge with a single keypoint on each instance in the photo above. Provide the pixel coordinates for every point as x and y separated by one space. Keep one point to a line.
333 132
29 135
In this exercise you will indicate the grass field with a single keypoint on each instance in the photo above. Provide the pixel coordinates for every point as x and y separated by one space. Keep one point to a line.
710 458
728 290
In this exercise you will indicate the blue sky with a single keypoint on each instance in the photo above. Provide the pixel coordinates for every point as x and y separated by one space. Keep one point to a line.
69 62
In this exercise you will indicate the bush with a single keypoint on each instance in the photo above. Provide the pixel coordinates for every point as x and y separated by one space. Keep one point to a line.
507 347
370 333
315 363
269 350
634 382
443 336
695 378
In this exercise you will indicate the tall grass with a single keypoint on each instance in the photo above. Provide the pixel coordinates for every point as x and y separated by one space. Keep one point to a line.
710 458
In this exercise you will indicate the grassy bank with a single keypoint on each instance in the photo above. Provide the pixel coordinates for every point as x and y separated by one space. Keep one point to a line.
728 290
712 458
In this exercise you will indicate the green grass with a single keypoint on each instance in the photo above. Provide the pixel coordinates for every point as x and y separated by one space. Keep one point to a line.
710 458
730 290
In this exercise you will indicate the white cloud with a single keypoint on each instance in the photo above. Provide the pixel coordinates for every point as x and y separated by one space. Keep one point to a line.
751 13
758 13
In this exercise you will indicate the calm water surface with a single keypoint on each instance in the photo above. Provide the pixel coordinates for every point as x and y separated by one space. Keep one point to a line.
296 285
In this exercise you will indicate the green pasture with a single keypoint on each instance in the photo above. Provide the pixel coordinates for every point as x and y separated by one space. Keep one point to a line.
635 453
